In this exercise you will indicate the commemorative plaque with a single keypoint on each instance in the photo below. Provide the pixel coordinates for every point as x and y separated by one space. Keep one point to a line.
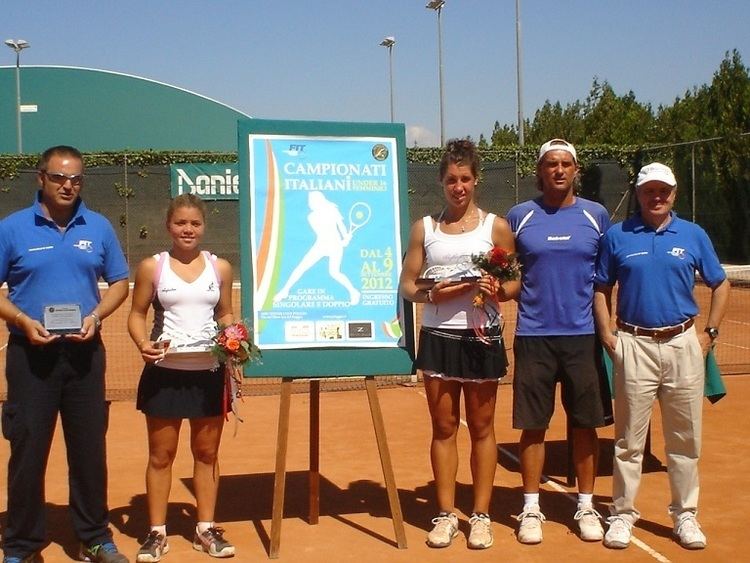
64 318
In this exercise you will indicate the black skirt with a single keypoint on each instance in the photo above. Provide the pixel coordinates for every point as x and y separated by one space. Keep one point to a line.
460 354
176 393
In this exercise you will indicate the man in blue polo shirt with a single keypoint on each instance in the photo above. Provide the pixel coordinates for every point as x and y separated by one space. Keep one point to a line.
557 240
657 353
52 256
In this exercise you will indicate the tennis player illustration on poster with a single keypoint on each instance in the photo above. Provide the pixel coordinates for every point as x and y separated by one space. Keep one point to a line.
325 241
332 236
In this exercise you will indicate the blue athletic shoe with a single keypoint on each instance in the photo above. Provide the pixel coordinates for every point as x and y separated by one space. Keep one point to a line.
102 553
33 558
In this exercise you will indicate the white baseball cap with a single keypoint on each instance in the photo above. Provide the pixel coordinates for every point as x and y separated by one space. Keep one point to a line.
656 172
557 145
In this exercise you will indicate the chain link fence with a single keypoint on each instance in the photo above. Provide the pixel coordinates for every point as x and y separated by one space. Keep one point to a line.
135 200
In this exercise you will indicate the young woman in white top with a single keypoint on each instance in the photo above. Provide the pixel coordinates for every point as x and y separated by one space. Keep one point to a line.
191 291
451 356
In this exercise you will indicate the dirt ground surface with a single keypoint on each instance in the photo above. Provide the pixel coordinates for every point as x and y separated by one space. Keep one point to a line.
355 522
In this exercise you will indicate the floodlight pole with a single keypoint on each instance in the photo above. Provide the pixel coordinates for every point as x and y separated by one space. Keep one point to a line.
389 42
18 45
519 83
437 5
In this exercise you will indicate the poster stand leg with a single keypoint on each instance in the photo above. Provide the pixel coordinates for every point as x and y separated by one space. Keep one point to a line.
279 481
282 440
314 477
385 462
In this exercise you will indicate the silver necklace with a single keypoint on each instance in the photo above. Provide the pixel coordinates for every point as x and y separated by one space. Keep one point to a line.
464 220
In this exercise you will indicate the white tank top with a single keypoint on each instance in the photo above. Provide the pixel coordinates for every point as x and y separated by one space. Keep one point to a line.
449 250
184 313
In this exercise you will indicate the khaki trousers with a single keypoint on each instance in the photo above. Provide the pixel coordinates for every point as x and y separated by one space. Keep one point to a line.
672 372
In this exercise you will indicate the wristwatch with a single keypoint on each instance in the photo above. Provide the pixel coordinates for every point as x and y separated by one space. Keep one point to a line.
712 332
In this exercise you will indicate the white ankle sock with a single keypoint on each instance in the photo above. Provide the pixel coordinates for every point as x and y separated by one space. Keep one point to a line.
530 499
161 529
586 498
203 526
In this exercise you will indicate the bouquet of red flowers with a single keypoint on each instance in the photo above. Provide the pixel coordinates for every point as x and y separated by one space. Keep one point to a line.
501 265
498 263
234 347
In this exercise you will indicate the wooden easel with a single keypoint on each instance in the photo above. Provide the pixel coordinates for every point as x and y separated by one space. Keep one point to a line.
282 441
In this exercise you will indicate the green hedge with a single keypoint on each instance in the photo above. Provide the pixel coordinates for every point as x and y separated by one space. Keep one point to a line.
627 156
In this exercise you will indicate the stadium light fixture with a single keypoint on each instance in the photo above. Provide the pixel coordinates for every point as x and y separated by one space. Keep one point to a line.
437 5
18 45
519 74
389 42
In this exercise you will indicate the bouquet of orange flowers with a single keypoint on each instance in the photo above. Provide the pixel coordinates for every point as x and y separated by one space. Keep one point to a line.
234 347
501 265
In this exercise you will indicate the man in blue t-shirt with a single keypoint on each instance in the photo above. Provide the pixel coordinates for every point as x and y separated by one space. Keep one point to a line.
653 257
557 240
52 256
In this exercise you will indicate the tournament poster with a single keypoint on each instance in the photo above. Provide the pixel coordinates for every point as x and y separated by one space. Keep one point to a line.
325 240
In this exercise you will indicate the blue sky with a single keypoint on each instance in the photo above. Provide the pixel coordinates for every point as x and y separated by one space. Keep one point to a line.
321 59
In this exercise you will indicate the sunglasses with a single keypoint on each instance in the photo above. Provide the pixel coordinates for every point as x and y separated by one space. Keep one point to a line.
60 178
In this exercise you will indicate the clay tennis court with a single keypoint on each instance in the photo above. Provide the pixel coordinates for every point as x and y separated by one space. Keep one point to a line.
355 522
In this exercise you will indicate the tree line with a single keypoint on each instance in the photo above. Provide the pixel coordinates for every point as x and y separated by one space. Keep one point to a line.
721 108
717 113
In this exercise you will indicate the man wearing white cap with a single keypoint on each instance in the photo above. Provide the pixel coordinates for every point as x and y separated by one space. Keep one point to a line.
557 239
657 353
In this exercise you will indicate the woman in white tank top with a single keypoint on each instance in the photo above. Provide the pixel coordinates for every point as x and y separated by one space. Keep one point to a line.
191 291
451 356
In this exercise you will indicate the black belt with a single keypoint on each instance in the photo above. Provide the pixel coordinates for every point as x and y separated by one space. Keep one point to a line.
663 333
